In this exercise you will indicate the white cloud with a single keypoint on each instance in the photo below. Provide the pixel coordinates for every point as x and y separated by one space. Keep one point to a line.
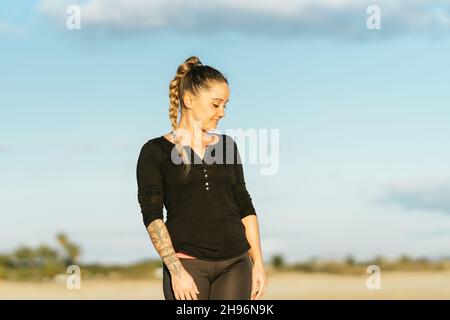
345 18
421 194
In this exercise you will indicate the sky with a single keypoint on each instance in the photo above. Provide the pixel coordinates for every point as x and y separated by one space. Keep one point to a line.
360 120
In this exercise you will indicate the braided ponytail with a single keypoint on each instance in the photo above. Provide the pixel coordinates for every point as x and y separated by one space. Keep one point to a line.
191 76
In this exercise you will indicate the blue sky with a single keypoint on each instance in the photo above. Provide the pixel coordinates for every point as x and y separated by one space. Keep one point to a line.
363 118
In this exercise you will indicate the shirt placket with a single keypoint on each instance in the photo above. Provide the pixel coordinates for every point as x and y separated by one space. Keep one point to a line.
206 182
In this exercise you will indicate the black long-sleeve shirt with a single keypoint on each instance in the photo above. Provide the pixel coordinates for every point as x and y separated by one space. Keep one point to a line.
204 208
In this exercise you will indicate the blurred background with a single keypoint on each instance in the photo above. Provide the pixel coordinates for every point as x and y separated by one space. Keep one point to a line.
357 91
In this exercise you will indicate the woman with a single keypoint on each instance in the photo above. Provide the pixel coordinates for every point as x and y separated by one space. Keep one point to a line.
210 243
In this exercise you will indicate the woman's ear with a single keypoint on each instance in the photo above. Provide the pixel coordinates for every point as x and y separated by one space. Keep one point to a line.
187 100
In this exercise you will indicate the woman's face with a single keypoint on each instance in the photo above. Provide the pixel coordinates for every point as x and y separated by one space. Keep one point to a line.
208 106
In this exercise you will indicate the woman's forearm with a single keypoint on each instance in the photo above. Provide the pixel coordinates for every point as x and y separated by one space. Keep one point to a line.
163 244
252 232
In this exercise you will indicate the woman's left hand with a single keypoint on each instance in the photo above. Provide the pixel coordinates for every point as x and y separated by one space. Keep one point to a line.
259 281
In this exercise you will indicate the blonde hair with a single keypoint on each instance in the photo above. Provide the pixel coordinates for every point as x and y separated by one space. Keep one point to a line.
192 76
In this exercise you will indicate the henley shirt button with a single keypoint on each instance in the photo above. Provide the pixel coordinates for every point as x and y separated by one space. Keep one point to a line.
206 183
207 188
206 176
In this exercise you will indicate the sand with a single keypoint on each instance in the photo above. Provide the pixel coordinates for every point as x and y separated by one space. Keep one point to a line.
287 285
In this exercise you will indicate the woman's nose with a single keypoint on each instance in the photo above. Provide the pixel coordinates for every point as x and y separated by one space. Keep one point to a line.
221 112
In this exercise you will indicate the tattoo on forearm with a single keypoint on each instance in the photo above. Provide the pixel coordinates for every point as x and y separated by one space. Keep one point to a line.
163 244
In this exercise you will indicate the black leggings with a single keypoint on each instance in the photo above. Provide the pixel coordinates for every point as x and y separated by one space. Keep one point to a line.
229 279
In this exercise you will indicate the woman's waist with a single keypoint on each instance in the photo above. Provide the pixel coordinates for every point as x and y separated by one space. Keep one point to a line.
208 214
184 255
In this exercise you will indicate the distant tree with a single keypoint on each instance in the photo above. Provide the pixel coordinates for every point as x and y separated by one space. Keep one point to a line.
4 259
405 259
44 252
423 260
72 251
379 260
350 260
277 261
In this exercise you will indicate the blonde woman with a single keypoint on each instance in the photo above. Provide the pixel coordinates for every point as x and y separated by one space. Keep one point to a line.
209 243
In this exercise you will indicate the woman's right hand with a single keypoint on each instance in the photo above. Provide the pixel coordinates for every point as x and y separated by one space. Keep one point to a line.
183 285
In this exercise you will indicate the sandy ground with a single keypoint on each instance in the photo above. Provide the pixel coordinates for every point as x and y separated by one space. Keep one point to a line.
288 285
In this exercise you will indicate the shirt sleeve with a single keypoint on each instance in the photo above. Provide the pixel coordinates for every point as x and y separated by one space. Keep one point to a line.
241 195
150 191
